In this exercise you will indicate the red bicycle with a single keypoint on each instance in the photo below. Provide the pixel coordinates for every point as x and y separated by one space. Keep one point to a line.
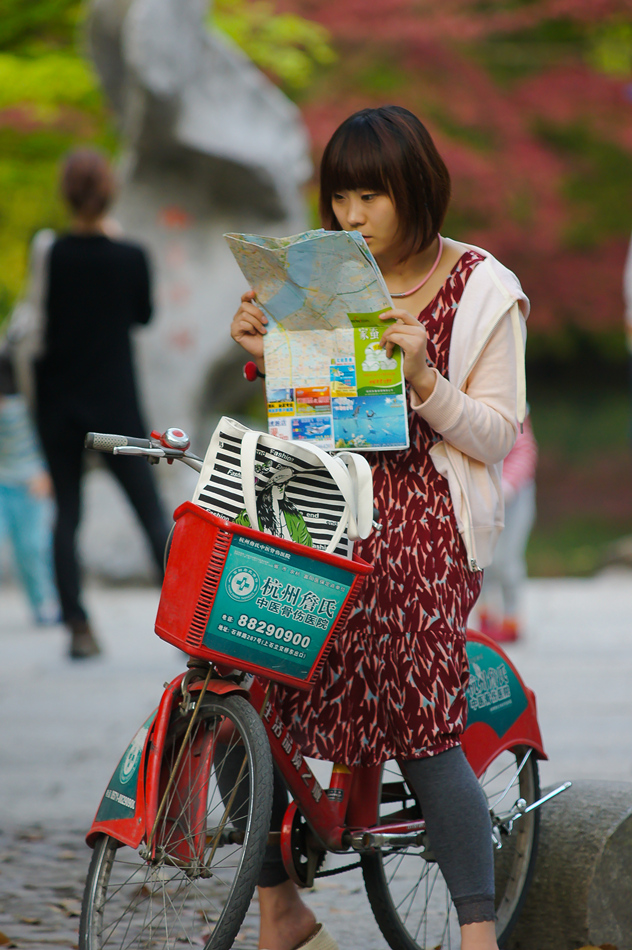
180 833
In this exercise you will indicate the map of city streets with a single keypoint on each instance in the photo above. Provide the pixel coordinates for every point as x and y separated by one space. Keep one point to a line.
328 381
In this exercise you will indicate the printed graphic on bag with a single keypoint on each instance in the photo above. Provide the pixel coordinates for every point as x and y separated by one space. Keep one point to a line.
295 500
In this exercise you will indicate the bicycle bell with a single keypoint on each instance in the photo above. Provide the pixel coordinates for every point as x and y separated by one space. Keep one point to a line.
176 439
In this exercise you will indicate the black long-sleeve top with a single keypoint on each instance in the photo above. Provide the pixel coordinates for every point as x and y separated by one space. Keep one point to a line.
98 288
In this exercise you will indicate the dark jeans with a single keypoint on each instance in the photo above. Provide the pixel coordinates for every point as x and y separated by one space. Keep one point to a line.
62 441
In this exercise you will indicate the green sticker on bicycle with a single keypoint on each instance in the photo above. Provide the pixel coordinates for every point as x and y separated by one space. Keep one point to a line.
119 799
275 608
494 695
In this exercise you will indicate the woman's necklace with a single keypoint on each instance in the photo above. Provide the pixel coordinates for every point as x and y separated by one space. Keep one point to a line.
407 293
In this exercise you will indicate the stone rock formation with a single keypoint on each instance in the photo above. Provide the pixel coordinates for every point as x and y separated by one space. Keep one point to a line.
580 896
211 145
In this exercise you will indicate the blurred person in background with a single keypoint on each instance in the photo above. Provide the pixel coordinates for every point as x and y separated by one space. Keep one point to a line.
25 499
498 606
627 301
94 288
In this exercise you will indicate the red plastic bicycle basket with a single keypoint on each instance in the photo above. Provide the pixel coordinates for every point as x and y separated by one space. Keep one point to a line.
252 601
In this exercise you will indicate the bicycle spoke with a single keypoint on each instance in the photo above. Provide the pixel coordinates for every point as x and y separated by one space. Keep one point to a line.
514 779
390 861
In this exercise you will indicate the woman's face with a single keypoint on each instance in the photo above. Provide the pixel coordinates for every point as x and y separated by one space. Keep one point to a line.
372 213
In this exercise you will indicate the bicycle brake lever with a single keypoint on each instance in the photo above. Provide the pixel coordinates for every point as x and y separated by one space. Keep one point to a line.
134 450
155 452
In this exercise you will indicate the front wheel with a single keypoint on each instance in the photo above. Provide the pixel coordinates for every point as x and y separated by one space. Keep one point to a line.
407 892
194 885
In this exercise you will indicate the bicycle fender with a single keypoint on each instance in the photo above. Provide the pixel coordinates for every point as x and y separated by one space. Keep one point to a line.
220 688
501 709
154 759
122 813
128 808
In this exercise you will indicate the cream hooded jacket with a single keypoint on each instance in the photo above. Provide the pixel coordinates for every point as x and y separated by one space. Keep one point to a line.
478 409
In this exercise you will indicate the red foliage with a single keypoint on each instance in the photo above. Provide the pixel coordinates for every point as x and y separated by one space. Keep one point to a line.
500 137
26 118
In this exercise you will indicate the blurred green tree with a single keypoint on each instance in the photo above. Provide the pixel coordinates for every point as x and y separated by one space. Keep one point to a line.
49 101
288 47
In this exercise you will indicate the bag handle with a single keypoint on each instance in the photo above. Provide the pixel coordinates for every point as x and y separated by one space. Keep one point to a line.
342 477
248 458
362 481
338 533
361 477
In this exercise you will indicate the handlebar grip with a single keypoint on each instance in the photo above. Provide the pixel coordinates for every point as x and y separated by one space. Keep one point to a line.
105 442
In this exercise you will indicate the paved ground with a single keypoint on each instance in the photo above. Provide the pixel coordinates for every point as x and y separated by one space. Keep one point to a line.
65 725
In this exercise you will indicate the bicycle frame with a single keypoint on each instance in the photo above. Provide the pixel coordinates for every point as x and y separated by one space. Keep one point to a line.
502 715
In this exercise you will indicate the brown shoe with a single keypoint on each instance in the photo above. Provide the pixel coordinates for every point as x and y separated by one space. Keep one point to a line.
83 643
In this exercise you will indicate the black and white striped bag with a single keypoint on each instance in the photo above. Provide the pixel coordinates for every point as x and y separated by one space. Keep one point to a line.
293 490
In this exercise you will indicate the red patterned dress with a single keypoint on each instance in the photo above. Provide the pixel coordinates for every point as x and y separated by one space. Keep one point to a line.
394 683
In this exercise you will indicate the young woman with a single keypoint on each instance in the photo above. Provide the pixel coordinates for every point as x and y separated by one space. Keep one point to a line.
97 289
398 673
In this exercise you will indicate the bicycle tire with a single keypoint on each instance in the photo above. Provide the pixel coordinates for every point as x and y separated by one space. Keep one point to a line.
210 844
407 892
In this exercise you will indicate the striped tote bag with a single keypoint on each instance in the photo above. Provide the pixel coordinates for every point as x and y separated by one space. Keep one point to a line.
293 490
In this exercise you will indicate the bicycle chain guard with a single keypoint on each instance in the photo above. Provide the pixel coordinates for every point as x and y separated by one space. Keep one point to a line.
300 856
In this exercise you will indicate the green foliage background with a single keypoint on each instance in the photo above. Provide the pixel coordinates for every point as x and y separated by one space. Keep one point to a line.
51 101
542 177
288 47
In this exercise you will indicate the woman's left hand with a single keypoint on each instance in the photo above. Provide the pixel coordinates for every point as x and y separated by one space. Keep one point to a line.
410 335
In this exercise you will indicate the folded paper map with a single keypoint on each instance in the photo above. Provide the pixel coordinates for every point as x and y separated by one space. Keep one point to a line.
328 380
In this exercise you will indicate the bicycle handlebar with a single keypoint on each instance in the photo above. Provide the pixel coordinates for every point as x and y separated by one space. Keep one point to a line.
105 442
159 446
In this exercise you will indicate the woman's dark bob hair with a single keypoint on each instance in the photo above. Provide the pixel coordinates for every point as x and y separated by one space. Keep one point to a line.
87 183
390 151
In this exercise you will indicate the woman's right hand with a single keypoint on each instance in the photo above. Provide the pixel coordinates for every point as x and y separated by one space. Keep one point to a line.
248 327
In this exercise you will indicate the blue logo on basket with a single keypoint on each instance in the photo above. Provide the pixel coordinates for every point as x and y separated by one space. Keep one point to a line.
243 583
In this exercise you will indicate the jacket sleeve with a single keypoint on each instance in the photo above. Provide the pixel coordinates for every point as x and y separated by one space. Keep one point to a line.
480 419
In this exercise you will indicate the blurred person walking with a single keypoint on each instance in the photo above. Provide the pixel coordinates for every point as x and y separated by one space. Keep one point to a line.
94 288
25 499
627 315
498 606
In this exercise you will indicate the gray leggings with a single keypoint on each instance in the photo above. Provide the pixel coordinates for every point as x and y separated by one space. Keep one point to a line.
459 830
458 824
